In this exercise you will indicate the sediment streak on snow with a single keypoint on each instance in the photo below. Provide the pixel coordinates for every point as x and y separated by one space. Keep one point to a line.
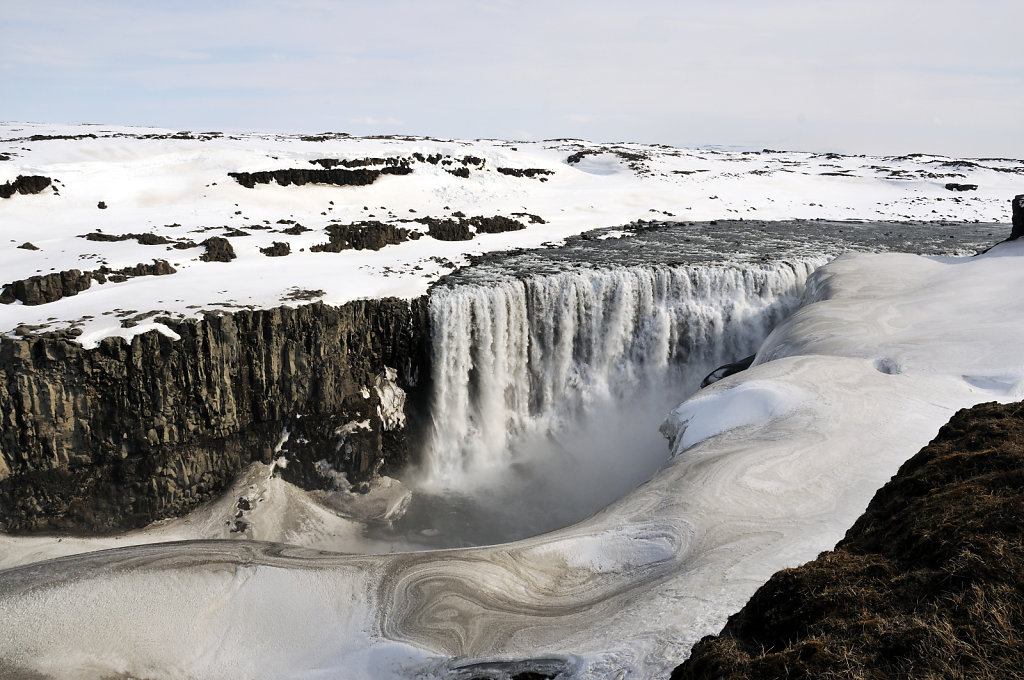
530 357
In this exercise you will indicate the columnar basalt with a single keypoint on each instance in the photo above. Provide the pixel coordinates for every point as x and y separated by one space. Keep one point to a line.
114 437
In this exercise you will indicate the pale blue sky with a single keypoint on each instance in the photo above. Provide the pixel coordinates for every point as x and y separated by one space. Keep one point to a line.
859 77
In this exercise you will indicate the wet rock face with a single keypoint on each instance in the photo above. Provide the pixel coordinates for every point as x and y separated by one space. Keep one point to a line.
24 184
118 436
925 584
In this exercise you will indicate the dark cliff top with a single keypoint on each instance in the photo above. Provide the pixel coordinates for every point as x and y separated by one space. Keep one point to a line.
929 582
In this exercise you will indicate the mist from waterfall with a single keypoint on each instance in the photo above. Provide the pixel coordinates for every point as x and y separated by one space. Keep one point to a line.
548 390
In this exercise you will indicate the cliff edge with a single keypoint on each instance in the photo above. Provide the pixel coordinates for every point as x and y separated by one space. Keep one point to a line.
111 438
926 584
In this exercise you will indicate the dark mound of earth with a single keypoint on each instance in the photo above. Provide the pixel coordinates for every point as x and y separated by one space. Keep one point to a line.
929 582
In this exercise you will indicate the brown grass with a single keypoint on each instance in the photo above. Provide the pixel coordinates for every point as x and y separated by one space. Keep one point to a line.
929 582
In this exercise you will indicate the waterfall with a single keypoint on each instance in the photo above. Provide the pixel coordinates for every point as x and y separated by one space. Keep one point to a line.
519 360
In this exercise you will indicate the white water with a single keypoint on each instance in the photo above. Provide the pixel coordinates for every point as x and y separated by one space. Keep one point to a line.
576 358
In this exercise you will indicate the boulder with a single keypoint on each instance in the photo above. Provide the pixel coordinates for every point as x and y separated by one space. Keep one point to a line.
1018 216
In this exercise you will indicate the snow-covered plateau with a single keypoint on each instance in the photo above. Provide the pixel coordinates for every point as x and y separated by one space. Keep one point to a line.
175 187
547 528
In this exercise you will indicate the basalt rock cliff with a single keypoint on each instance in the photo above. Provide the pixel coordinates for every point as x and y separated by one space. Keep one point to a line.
926 584
105 439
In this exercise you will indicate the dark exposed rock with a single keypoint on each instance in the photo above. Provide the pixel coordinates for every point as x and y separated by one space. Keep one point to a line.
324 136
458 227
24 184
534 219
1018 216
28 246
634 159
115 437
46 138
4 157
370 235
101 205
301 176
218 249
277 249
39 290
295 230
448 230
525 172
925 584
391 161
953 186
296 294
462 172
495 225
726 370
157 268
146 239
433 159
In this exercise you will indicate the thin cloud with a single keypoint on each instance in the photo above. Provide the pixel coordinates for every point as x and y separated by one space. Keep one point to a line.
808 74
371 121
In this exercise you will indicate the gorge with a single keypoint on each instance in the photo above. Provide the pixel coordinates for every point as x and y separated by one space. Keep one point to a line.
466 480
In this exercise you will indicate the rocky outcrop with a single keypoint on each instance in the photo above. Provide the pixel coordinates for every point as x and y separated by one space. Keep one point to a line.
277 249
218 249
1018 217
24 184
391 161
532 173
495 225
449 230
157 268
301 176
926 584
39 290
120 435
954 186
144 239
462 228
370 235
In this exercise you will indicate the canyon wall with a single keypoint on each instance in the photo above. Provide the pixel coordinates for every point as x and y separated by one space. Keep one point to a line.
110 438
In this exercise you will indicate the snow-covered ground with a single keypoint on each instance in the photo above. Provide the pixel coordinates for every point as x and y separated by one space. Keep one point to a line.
770 466
176 186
